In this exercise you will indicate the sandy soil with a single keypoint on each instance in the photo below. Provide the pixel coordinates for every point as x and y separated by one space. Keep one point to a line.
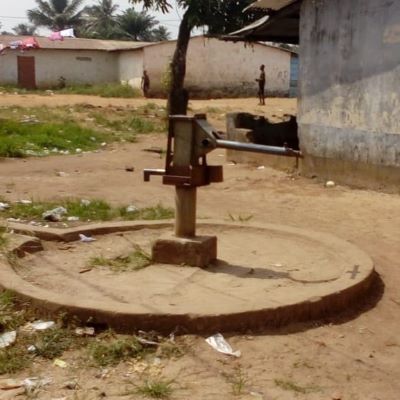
355 357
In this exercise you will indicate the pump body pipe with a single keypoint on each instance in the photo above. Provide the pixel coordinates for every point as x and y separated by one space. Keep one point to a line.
257 148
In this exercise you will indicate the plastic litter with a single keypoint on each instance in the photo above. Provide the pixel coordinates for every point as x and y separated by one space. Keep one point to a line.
86 331
25 202
131 208
32 349
73 219
35 383
54 215
261 167
62 174
4 206
218 342
86 239
60 363
330 184
38 326
7 339
85 202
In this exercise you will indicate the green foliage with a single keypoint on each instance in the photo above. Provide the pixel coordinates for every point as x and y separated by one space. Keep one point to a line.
111 90
57 14
159 389
294 387
149 213
52 343
13 359
20 139
134 261
113 351
10 317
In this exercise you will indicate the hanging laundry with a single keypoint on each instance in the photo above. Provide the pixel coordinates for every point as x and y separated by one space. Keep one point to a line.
56 36
16 44
69 33
30 43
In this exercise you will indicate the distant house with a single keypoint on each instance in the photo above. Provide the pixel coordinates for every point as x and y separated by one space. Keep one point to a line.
349 80
215 68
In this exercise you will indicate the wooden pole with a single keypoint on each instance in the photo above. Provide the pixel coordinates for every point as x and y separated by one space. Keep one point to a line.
185 219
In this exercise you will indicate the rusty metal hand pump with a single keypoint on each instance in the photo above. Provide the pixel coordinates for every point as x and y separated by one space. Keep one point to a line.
190 139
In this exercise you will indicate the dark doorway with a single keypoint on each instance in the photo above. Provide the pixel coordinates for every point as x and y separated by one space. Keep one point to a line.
26 72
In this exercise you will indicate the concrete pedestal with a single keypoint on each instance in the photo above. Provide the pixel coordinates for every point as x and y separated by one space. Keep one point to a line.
198 251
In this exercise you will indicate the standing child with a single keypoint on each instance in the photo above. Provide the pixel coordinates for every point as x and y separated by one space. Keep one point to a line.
145 83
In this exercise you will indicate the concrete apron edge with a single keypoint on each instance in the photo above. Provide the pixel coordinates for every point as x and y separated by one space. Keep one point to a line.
123 319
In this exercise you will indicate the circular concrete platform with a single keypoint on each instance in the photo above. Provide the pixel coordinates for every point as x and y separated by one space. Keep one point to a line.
265 276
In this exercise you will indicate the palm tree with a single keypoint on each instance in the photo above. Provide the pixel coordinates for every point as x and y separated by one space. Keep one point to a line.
137 25
24 30
160 34
100 20
57 14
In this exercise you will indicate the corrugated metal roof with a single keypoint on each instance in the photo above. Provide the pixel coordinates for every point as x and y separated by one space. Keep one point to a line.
271 4
78 43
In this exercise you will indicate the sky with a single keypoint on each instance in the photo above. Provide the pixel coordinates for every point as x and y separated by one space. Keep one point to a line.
13 12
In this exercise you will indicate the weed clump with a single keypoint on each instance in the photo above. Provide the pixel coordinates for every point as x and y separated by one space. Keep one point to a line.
113 351
159 389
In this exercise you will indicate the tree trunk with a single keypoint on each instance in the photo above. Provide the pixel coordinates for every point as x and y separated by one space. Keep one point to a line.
178 96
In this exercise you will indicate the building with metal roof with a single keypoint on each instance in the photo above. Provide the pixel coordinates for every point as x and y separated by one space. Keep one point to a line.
349 79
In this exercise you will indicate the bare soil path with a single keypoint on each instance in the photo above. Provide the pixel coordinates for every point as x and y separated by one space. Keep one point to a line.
356 357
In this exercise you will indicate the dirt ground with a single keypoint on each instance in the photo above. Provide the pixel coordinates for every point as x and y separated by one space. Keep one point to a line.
353 357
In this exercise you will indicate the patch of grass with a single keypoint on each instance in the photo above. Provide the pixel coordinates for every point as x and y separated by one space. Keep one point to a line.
148 213
294 387
239 381
52 343
114 350
96 210
142 125
20 139
3 237
159 389
10 317
134 261
168 349
105 90
13 359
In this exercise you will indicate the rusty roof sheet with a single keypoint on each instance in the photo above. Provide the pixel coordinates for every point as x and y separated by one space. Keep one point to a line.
78 43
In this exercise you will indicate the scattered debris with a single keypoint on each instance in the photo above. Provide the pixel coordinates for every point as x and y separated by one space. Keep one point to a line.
85 202
157 150
32 349
219 343
72 385
131 208
38 326
60 363
35 383
130 169
54 215
330 184
86 331
83 271
7 339
25 202
86 239
9 384
78 151
62 174
4 206
73 219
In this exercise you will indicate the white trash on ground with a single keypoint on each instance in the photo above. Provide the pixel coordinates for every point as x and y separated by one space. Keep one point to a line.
219 343
330 184
131 209
38 326
35 383
54 215
7 339
87 331
73 219
4 206
86 239
85 202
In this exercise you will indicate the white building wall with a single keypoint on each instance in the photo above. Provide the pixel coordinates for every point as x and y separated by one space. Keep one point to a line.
216 68
131 67
76 66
